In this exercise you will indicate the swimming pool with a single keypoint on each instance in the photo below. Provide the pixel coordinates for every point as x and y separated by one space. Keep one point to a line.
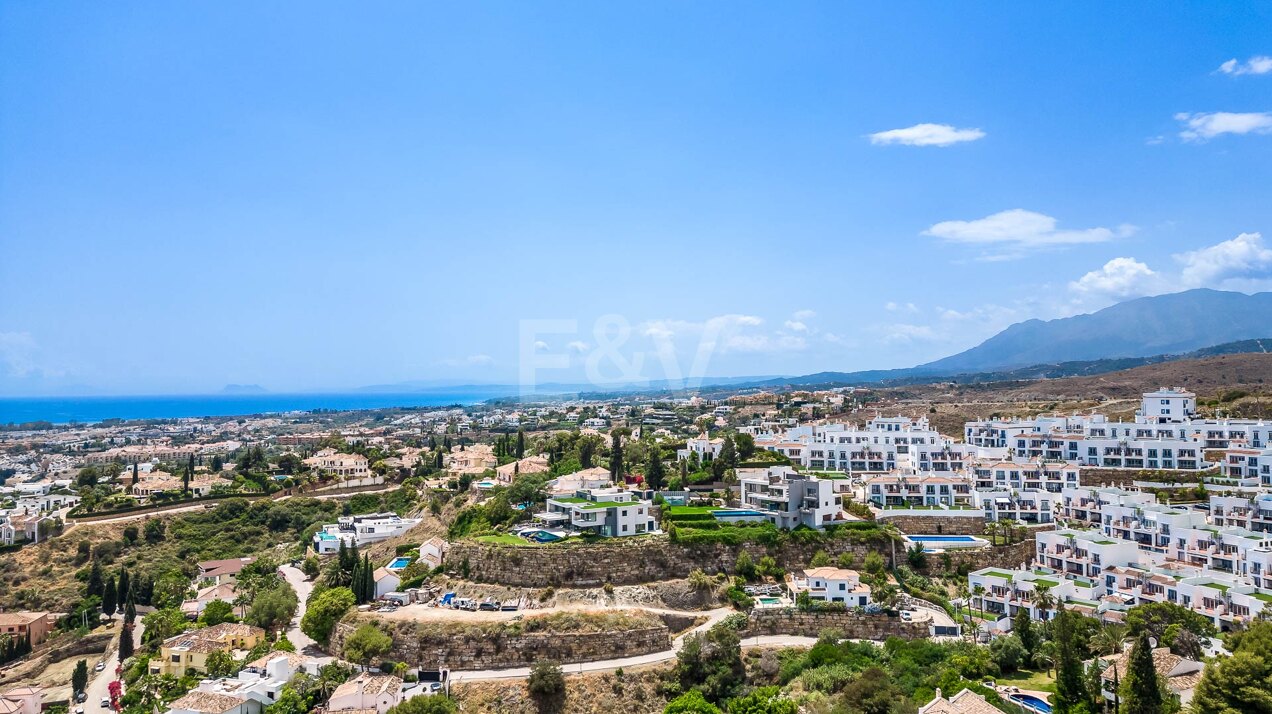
541 536
947 541
726 512
1029 701
399 563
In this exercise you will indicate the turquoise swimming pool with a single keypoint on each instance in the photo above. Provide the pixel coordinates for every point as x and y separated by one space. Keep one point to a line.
399 563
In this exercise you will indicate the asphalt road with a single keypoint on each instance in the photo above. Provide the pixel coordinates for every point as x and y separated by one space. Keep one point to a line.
99 682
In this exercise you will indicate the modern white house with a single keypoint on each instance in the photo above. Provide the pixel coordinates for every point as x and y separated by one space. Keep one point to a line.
610 512
787 498
255 687
919 490
360 531
831 585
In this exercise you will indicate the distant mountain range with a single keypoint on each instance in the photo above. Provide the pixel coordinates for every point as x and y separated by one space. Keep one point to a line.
1187 325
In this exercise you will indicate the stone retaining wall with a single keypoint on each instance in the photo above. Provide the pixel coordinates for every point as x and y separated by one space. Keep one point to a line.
654 558
426 647
851 624
953 523
627 561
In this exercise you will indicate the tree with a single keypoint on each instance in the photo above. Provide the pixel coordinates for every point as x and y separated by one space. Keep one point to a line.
745 444
691 702
162 624
216 612
220 664
109 598
1240 683
367 643
124 588
125 642
873 692
728 453
154 530
1009 653
521 444
96 583
1156 618
79 678
1141 692
711 662
655 474
744 566
820 559
135 477
436 704
1022 626
272 610
616 454
1071 691
324 611
546 684
290 701
1108 639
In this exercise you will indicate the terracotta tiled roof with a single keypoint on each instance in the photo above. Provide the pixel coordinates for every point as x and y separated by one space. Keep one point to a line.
965 702
209 702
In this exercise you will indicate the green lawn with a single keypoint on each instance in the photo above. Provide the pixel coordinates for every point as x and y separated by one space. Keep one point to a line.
505 538
1025 679
690 510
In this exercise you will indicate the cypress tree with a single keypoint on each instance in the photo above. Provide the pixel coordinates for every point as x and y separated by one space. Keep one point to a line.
135 478
1071 694
655 475
1140 692
109 601
521 443
355 583
125 642
124 589
130 610
1022 627
616 455
96 586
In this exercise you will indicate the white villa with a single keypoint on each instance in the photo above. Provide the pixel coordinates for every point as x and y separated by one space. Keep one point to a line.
610 512
787 499
360 531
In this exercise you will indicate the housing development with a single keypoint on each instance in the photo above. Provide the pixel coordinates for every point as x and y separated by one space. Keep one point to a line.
796 512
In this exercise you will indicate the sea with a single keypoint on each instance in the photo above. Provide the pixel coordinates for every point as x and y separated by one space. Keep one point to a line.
63 410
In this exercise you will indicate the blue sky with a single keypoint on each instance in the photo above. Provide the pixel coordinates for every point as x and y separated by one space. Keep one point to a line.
320 196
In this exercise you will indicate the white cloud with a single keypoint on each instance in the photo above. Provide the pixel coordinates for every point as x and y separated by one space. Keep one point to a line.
1018 229
477 360
796 326
1255 65
577 346
1242 257
926 135
803 315
900 307
1118 278
763 343
1207 125
540 345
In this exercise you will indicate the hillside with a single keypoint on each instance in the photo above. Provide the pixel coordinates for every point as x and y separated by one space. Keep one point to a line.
1162 324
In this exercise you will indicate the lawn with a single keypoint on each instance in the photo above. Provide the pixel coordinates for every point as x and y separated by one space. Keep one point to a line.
504 538
690 510
1026 679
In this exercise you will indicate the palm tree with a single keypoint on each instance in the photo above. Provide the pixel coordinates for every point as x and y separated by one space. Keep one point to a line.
979 592
1108 639
1045 657
1043 599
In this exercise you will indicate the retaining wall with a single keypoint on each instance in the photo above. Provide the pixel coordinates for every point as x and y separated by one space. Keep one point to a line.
937 523
435 647
851 624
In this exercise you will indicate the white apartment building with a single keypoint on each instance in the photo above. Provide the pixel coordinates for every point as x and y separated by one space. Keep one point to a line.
1082 553
361 531
1149 525
1034 474
1084 507
1253 512
1003 591
788 499
348 466
610 512
884 444
1029 506
919 490
831 585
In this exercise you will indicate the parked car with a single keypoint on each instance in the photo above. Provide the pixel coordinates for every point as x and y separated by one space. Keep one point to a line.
105 702
907 615
488 605
435 687
100 666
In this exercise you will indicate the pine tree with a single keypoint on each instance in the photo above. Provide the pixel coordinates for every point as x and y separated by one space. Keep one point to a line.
96 586
368 579
729 452
1141 692
109 601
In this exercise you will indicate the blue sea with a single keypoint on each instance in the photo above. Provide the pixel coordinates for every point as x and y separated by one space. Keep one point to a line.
61 410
